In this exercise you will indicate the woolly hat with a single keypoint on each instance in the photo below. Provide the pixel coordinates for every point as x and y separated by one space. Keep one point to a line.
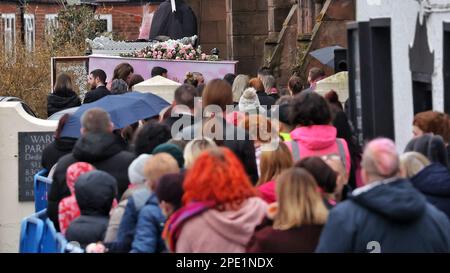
136 169
431 146
173 150
249 101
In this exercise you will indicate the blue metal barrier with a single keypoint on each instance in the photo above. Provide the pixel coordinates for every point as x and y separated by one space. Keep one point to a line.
41 188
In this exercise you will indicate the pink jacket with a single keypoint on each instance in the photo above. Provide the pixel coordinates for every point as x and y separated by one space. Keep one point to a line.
268 192
318 140
222 231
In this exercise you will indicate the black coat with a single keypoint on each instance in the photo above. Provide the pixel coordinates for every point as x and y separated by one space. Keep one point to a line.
95 192
57 103
242 148
96 94
434 183
265 100
392 217
176 25
185 119
55 150
101 150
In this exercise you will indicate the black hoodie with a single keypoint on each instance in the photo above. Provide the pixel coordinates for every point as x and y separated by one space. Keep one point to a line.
101 150
55 150
389 217
95 192
57 103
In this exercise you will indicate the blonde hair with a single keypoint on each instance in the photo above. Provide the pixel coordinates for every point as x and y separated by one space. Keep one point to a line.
299 202
159 165
273 163
412 163
239 85
194 148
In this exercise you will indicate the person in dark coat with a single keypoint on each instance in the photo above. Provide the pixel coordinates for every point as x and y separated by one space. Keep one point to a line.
95 192
176 25
183 108
285 232
129 238
388 215
97 146
218 93
63 96
264 98
151 136
97 82
59 147
434 183
431 146
344 131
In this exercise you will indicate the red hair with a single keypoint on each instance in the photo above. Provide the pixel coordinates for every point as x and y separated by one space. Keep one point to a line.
217 175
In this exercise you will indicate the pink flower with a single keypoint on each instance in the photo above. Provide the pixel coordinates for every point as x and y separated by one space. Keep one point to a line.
169 55
203 56
158 57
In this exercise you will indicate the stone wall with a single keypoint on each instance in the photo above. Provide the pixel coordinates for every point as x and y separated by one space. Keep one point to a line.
14 119
211 16
247 26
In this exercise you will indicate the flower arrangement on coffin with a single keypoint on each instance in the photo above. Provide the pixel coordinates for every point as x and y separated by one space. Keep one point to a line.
172 50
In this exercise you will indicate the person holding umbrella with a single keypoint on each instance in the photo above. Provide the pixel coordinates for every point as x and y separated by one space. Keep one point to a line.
97 146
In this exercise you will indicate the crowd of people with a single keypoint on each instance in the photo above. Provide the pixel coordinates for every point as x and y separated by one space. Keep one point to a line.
298 181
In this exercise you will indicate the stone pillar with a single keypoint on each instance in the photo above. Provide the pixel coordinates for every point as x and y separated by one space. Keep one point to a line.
247 28
14 119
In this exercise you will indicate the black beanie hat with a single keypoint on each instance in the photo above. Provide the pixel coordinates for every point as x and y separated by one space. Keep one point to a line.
431 146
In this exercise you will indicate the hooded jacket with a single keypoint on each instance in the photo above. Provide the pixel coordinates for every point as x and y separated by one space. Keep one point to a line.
222 231
149 229
318 140
387 217
101 150
434 183
95 192
57 103
68 209
55 150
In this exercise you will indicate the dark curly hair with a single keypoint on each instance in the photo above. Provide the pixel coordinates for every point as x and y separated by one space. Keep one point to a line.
325 176
308 108
150 136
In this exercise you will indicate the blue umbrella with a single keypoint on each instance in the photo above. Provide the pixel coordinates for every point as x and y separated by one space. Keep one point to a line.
124 110
326 55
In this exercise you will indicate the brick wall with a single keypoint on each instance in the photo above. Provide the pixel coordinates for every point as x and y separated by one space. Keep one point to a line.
126 17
